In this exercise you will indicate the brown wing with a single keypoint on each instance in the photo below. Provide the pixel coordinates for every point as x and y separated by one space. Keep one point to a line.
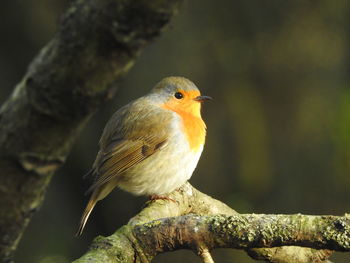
123 155
131 135
134 133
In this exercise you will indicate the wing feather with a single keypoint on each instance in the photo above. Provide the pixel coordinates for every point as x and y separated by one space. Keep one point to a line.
123 158
132 135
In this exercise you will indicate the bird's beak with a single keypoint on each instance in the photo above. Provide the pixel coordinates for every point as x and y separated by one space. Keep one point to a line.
202 98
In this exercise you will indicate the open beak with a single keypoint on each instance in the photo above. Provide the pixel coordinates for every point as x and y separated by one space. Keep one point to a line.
202 98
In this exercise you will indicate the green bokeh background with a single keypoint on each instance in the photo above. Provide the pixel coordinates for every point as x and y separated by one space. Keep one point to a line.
278 130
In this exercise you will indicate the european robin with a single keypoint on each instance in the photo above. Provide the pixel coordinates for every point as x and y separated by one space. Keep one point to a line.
152 145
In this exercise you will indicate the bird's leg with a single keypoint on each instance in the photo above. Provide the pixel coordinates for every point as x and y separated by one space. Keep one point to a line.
159 197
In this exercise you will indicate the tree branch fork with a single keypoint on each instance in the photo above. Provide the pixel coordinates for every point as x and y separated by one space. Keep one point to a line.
201 224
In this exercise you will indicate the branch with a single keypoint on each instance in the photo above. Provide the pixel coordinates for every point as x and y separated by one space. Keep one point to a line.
96 44
167 226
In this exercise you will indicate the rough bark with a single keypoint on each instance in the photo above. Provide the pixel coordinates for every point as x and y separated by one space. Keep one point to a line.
201 223
96 44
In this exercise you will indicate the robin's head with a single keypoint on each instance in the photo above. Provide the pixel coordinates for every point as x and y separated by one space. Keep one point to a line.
179 94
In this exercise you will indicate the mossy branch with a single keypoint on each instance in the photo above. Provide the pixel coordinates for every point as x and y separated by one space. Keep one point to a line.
201 223
96 44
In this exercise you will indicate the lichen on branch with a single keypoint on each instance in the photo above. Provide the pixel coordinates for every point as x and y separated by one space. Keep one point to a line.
201 223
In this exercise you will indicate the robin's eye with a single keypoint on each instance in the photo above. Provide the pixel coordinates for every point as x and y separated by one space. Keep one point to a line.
178 95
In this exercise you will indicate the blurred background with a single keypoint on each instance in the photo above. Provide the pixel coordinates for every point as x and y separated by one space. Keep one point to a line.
278 130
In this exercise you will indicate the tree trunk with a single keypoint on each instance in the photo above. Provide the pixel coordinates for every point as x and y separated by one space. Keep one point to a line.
96 44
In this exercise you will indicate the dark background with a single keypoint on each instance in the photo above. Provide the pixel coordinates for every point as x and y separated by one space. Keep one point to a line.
278 130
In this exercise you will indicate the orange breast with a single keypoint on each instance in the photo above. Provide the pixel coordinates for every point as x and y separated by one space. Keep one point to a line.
194 128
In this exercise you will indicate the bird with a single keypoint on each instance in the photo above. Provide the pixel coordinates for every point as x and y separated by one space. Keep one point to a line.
151 146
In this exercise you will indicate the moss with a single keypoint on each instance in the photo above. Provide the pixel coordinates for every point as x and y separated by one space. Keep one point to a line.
338 232
153 224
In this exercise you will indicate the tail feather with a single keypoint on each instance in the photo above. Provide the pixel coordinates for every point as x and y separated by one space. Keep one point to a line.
90 206
97 195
